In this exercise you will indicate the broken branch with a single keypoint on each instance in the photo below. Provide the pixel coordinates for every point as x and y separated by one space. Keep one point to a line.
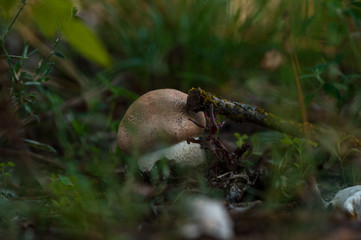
200 100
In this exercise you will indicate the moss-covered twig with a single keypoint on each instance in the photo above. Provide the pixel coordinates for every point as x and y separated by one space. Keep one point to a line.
200 100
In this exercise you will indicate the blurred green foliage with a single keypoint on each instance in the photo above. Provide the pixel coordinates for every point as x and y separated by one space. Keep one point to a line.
67 108
53 16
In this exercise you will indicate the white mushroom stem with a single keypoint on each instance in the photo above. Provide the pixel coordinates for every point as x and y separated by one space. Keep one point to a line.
182 153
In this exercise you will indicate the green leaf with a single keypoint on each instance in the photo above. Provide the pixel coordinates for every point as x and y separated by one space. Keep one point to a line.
298 166
320 68
287 141
314 144
65 180
43 79
39 67
32 52
11 164
86 42
355 150
298 141
50 13
38 145
25 53
6 6
74 11
32 83
241 139
48 70
28 108
17 67
307 76
58 54
26 76
331 90
2 165
79 127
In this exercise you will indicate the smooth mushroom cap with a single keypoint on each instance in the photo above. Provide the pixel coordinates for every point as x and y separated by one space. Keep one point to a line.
155 118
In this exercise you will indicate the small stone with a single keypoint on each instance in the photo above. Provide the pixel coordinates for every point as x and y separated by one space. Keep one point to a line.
157 118
207 217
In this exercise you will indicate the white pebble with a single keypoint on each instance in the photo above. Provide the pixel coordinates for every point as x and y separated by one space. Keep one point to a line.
208 217
349 199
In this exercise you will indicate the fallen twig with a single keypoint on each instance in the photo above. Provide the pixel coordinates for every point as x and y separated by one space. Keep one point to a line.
200 100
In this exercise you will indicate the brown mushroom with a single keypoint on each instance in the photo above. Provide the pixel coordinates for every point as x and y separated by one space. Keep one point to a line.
157 118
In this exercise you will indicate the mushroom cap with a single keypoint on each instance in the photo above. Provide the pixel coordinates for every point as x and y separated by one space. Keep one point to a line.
156 118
